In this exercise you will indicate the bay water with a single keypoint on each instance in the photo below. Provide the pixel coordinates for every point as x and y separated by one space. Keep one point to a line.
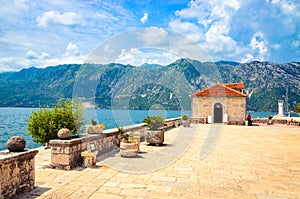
13 121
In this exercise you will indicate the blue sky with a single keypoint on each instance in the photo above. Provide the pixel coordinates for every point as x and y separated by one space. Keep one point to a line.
43 33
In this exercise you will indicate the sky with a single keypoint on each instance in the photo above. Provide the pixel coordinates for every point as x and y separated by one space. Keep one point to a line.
44 33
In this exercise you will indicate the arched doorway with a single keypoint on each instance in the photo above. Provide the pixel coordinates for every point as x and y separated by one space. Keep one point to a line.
218 113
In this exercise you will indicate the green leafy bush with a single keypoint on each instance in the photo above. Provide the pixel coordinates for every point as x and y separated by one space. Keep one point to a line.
155 122
44 123
297 108
185 117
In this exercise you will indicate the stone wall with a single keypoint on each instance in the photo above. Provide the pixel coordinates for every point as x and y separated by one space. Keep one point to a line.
66 154
265 121
235 107
17 174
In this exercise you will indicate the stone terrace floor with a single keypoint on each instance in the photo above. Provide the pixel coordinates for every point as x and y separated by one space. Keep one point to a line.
204 161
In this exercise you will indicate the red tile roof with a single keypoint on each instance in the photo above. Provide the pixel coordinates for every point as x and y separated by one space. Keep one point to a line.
235 85
221 90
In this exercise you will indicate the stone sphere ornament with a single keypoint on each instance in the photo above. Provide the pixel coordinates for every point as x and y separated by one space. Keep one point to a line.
64 134
16 144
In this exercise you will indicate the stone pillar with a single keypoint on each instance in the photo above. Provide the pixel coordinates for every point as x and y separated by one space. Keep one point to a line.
280 107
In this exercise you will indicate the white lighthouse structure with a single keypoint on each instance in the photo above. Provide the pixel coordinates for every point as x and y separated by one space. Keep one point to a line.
280 108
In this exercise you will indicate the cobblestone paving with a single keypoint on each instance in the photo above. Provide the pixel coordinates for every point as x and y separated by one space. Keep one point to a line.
246 162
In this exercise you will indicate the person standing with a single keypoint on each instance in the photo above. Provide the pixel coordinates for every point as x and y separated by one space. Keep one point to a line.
249 119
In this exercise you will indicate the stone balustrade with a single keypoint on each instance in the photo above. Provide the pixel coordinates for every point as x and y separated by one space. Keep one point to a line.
66 154
17 173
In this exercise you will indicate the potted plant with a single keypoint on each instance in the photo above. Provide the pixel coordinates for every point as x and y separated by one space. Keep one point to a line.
129 146
155 133
94 128
185 121
270 119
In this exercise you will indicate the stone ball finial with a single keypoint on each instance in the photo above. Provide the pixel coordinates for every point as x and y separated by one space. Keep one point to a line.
64 133
16 144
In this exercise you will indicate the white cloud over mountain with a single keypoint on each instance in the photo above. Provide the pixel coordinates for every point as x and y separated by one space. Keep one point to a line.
238 30
37 33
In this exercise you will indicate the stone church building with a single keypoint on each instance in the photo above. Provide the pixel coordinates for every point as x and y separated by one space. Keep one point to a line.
221 103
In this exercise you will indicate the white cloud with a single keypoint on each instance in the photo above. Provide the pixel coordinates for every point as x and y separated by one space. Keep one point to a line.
163 40
236 30
258 49
42 60
71 56
258 44
187 28
137 57
72 50
287 7
207 12
213 26
296 43
54 17
33 55
276 46
153 36
144 19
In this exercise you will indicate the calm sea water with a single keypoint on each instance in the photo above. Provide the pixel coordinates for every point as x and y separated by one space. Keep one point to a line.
13 120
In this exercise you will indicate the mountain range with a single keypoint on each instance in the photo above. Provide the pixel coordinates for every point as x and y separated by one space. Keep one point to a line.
150 86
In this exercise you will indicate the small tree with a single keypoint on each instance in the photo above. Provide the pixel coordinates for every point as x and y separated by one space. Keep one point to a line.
44 123
297 108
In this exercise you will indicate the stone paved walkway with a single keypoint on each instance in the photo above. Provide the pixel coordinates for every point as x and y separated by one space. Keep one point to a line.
246 162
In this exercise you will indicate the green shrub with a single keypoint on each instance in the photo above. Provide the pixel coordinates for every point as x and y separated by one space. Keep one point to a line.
155 122
270 117
297 108
124 136
44 123
185 117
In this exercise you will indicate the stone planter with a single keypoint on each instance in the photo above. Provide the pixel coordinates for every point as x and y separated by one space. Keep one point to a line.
270 122
186 123
129 150
94 129
155 137
246 123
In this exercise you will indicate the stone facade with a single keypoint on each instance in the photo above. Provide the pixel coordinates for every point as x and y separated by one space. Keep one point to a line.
234 107
17 174
229 101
